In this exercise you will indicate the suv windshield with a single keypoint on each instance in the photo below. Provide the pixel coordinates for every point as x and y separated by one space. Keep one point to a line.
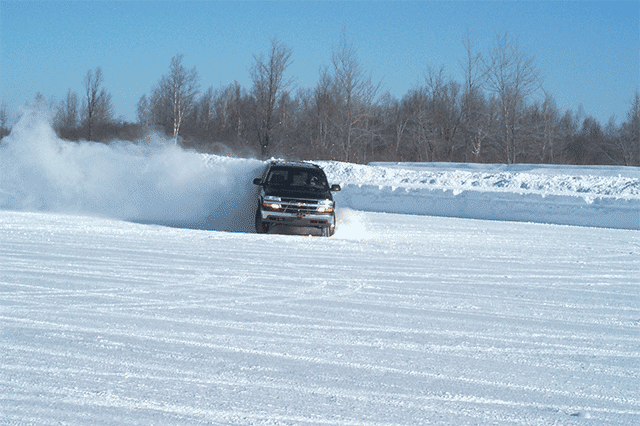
297 178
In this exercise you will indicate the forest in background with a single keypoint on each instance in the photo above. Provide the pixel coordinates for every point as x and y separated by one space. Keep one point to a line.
500 113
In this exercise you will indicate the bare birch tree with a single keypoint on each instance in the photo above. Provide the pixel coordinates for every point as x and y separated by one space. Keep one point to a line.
178 90
269 87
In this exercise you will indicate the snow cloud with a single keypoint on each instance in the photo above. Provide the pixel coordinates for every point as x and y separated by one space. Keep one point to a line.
151 181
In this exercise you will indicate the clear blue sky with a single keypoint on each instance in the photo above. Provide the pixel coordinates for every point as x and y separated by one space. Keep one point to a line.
587 52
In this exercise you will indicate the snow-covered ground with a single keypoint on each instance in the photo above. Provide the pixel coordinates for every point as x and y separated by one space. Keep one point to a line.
109 317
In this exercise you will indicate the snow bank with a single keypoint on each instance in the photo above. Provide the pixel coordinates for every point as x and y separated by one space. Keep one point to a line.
155 181
602 196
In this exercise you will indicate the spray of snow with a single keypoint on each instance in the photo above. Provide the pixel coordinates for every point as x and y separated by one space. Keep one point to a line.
150 181
351 224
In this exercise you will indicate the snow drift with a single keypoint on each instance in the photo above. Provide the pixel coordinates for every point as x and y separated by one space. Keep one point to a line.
155 181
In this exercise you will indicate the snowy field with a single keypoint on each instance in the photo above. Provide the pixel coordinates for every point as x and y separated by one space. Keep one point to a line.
404 317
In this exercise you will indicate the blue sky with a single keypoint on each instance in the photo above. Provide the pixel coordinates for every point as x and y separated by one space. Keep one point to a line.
587 52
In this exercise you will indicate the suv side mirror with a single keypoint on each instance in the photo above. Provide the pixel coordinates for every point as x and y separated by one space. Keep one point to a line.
335 187
257 181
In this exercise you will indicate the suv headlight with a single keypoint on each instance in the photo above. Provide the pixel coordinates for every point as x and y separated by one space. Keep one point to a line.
271 203
326 207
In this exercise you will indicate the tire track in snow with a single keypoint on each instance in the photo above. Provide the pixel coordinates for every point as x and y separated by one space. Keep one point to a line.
240 330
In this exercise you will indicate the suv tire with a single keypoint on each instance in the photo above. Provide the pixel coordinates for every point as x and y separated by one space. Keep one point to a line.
261 228
328 231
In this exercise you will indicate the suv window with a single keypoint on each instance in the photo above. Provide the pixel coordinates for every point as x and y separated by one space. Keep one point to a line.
278 177
297 177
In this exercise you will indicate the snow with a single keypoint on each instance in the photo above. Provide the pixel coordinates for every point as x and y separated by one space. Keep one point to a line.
107 316
598 196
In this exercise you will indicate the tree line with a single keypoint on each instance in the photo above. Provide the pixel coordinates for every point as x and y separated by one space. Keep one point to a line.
500 113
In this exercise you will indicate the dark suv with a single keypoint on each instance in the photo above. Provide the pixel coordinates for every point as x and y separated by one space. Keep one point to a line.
295 194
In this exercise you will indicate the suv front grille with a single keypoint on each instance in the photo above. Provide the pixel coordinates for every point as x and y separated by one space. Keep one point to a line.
298 206
292 205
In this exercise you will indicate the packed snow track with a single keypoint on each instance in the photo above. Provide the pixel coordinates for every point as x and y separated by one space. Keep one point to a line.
396 320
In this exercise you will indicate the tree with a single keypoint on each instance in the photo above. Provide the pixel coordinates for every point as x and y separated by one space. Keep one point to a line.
540 128
324 114
355 95
66 118
269 88
97 107
418 127
231 106
512 75
143 112
474 127
629 144
179 90
4 130
70 110
585 147
442 114
172 100
550 118
205 111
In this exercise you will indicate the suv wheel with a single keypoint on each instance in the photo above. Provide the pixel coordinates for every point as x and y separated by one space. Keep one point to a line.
328 231
261 228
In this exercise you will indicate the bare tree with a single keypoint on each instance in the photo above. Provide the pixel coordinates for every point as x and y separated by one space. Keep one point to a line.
324 105
159 108
420 146
4 130
70 110
66 118
205 107
567 128
97 107
442 114
178 90
231 105
474 127
269 88
512 75
356 94
629 143
143 112
550 120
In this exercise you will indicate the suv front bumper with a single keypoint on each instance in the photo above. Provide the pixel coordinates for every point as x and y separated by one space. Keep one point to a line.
298 219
